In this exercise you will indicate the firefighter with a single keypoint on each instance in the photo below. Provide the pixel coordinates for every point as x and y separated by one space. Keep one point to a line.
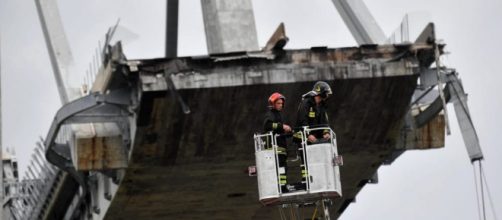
312 112
274 122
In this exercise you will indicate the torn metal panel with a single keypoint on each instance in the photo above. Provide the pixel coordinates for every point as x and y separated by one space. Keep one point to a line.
459 99
409 29
429 77
432 110
469 135
243 55
401 34
428 35
424 97
175 94
102 79
278 39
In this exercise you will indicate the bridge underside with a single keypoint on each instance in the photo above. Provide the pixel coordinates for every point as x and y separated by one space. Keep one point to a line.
194 166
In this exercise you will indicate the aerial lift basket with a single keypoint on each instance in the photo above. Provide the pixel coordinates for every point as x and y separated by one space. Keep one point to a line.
322 167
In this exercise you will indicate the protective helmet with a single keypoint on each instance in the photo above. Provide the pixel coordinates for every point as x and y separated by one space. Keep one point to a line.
322 89
274 97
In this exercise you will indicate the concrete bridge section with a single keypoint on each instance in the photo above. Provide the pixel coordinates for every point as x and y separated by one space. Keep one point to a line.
194 166
172 138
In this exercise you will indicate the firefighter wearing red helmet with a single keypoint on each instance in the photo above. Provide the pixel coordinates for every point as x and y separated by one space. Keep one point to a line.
274 121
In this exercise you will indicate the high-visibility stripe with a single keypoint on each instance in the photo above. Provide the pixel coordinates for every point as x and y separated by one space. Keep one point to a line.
281 150
297 135
278 152
283 179
312 114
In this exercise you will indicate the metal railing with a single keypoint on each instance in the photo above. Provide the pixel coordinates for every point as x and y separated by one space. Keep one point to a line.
261 145
25 199
28 198
268 141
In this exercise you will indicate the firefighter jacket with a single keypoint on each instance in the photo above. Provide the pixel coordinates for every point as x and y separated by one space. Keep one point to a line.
273 122
310 114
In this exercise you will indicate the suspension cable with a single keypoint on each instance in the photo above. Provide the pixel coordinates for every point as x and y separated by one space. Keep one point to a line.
482 190
489 195
477 194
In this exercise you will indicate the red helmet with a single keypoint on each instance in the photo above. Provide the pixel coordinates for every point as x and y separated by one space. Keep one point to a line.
274 97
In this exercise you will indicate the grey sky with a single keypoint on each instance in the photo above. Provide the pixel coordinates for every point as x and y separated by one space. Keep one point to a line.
435 184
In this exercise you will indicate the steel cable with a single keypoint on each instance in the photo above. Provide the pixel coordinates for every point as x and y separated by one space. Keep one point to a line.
489 194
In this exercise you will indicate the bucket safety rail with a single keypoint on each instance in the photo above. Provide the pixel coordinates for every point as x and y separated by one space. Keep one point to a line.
320 164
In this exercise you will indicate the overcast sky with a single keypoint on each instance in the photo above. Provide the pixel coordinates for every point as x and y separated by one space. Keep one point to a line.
434 184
